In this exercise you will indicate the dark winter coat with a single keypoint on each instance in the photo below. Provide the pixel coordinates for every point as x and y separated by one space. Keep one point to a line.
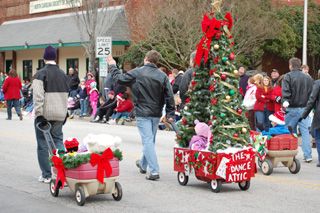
184 84
82 93
74 81
314 103
243 83
296 88
150 87
11 88
177 82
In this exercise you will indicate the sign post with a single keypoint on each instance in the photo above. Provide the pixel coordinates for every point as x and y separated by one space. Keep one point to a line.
103 49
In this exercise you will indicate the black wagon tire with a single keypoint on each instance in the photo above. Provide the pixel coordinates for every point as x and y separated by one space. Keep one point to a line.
80 195
295 167
117 195
244 185
53 190
267 167
216 185
182 178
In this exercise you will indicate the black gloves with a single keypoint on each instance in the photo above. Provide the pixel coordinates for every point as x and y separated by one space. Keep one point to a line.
278 99
40 119
300 119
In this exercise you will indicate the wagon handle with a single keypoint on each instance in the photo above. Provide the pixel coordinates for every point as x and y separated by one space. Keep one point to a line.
45 129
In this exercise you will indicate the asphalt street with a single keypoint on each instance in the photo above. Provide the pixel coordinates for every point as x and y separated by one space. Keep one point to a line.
21 192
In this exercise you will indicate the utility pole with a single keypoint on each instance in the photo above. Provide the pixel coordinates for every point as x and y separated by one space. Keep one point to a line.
305 27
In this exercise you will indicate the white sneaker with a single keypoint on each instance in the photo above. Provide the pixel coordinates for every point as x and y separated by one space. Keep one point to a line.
112 122
47 180
41 179
308 160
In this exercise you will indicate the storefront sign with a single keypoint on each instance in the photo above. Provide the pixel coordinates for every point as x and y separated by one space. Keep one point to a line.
51 5
103 47
103 67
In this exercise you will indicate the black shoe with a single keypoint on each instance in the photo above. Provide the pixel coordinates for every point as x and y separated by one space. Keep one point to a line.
142 171
152 177
8 119
318 164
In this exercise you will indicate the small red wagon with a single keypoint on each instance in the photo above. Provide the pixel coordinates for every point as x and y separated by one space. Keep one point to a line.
216 168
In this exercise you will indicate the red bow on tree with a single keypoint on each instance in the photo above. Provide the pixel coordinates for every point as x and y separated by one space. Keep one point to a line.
58 165
103 162
210 28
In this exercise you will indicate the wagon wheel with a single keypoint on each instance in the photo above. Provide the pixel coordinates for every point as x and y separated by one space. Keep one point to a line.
80 195
182 178
117 195
216 185
244 185
259 162
295 167
266 167
53 190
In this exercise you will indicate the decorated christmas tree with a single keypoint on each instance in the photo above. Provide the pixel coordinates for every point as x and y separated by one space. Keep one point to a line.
214 95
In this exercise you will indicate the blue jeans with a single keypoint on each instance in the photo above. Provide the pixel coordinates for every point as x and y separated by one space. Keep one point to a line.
148 129
262 120
42 149
83 107
292 117
120 115
317 139
13 103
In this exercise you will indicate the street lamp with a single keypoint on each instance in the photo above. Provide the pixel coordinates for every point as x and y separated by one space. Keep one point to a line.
305 27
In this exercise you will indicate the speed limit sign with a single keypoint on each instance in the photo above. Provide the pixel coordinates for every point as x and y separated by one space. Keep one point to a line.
103 47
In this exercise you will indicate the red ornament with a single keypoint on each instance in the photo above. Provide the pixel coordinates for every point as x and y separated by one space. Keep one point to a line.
184 121
232 44
194 74
214 117
223 77
193 83
209 123
218 35
216 60
239 111
231 56
235 135
211 88
212 71
103 162
187 100
214 101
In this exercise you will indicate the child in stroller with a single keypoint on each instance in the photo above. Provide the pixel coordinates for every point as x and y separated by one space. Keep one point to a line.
73 105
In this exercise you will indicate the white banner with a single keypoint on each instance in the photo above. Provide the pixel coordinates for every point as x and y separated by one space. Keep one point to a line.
51 5
103 67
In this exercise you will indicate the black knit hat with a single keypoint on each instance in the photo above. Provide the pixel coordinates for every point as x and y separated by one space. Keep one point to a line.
50 53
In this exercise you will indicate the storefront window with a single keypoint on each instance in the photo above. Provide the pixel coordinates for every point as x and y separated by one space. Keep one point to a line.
41 64
27 69
72 63
8 65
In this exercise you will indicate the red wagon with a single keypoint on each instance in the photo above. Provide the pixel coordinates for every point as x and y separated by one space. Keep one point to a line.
216 168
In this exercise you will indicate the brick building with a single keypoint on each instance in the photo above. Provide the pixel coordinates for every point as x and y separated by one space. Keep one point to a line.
27 27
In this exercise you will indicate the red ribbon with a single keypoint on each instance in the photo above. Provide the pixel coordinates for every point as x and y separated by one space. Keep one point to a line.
103 162
58 164
210 28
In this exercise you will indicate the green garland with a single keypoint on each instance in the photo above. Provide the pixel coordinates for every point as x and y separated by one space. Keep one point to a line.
73 161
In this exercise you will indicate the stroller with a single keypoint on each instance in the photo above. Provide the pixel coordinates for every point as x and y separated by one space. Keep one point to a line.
73 105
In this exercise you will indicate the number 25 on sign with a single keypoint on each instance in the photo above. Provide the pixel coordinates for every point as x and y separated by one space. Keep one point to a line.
103 47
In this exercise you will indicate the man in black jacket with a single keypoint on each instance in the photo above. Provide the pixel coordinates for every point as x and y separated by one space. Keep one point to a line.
177 80
50 94
151 90
296 89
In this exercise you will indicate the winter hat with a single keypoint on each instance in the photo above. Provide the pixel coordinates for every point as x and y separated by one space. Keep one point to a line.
71 144
93 84
111 92
89 73
277 117
202 129
50 53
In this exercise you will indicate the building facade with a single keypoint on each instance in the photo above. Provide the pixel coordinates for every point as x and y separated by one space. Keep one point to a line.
27 27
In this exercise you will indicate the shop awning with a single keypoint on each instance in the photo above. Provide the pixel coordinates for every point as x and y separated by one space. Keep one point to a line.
60 31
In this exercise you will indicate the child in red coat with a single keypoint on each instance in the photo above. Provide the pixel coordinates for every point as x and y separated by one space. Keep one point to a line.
123 109
264 105
276 95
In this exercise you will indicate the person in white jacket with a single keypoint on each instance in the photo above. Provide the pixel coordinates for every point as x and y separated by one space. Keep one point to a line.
250 98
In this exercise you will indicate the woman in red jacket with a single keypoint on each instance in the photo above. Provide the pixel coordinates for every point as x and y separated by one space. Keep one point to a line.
12 93
264 105
123 109
276 95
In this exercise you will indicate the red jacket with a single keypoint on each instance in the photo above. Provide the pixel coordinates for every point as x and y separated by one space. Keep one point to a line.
277 91
125 106
11 88
263 100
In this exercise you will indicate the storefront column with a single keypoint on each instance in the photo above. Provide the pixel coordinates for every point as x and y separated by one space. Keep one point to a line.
14 60
2 61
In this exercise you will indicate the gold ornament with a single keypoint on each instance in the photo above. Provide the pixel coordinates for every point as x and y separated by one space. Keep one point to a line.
244 130
228 98
235 72
216 46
